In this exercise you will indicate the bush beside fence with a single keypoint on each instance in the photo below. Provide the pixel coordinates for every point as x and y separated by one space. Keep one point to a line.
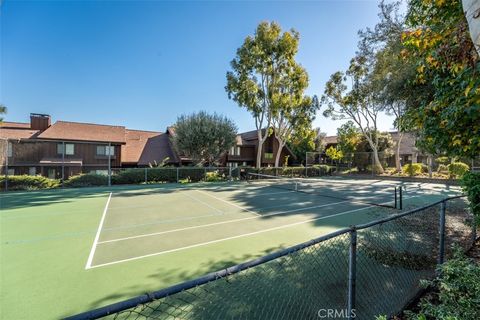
26 182
368 270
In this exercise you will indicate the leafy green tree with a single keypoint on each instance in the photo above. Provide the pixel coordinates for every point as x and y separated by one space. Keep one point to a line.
385 143
204 137
3 110
348 137
261 69
295 113
390 72
351 96
320 142
439 44
302 141
362 156
334 154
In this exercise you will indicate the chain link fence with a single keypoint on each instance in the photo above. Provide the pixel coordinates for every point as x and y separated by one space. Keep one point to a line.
62 162
358 272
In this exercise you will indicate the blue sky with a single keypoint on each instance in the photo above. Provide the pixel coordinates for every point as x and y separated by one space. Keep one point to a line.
141 64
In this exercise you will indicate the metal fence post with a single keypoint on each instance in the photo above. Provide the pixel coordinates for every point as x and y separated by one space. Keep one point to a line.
306 166
109 164
63 161
6 164
352 273
177 174
146 175
441 245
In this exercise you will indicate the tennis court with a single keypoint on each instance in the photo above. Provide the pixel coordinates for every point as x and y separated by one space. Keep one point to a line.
85 248
138 224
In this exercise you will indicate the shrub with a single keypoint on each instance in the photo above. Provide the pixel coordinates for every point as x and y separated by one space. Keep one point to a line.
323 169
458 169
86 180
458 293
471 187
213 176
185 180
442 168
26 182
412 169
442 160
161 175
129 176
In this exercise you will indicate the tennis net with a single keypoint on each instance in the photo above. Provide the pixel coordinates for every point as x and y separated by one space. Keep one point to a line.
382 195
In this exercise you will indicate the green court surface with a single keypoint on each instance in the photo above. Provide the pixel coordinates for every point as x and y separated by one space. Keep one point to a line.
68 251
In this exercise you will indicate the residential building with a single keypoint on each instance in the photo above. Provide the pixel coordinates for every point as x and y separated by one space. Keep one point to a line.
65 148
244 153
409 153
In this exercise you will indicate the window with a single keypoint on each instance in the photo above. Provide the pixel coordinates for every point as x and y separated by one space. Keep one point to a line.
234 151
9 150
268 155
69 149
32 171
105 150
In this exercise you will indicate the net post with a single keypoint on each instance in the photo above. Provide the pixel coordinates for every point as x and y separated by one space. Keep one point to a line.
441 244
396 205
306 167
146 175
400 196
352 273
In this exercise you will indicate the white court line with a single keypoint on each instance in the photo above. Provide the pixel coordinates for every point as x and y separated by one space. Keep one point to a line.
229 238
218 223
202 202
235 237
228 202
97 236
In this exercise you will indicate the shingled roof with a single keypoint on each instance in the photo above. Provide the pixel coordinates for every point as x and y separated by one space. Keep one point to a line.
77 131
145 147
16 130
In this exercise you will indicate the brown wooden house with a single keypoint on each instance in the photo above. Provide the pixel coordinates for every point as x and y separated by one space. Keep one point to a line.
64 148
244 153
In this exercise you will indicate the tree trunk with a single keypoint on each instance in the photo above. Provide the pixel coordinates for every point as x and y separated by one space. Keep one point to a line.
261 140
259 154
398 165
472 13
378 165
279 152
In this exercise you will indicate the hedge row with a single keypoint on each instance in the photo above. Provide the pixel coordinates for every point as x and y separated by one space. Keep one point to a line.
130 176
26 182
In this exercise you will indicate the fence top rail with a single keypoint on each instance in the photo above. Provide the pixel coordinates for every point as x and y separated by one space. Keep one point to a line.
407 213
149 297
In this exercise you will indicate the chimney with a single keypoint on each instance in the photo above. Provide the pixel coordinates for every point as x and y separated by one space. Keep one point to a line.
39 121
